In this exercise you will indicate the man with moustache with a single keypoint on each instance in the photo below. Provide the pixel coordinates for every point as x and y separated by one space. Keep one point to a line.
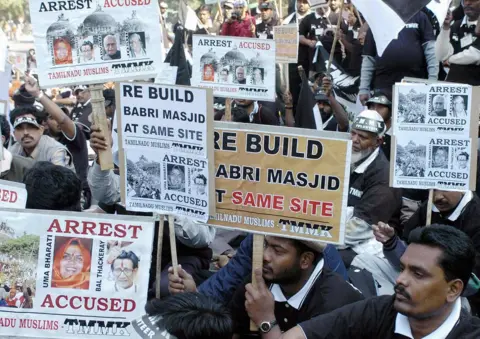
435 270
293 286
370 198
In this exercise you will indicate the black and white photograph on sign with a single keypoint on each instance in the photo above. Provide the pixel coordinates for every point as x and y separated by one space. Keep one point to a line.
122 267
18 266
143 176
95 43
439 157
458 106
176 177
412 107
461 159
200 183
111 47
136 45
411 160
87 50
234 62
438 105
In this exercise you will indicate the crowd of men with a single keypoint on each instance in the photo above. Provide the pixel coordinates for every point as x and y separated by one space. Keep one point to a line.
393 277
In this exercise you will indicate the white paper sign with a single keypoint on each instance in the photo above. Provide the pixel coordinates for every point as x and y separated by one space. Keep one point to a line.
434 144
85 42
242 68
167 75
12 194
81 275
167 136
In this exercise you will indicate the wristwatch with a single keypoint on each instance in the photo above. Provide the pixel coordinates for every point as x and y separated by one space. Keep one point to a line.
266 326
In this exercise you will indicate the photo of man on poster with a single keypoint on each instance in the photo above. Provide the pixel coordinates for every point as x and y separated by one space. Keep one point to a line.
124 269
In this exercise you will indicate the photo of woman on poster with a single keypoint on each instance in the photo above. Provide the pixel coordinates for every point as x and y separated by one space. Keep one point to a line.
208 73
62 50
71 264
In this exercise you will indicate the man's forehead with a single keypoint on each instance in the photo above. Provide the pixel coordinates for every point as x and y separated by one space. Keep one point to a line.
422 256
122 263
278 241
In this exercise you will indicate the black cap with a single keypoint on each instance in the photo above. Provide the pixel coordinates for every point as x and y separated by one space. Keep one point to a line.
382 98
266 5
321 96
109 96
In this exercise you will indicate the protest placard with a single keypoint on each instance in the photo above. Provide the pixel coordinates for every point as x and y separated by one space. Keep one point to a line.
18 60
166 136
282 181
73 274
286 43
435 137
235 67
87 42
167 75
12 194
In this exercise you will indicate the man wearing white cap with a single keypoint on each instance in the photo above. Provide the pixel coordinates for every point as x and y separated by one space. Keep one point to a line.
370 199
293 285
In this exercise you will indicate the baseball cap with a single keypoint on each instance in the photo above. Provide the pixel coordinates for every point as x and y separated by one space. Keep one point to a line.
266 5
229 4
321 96
80 88
370 121
316 246
163 5
380 98
241 3
25 119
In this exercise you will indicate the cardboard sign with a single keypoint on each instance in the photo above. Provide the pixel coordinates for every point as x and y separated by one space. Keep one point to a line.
233 67
87 42
435 137
12 194
282 181
85 274
286 41
166 136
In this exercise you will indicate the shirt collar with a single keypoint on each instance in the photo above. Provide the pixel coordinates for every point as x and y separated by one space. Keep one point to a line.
363 166
317 16
467 22
297 300
402 326
84 104
459 209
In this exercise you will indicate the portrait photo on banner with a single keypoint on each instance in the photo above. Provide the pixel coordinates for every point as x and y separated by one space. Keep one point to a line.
72 262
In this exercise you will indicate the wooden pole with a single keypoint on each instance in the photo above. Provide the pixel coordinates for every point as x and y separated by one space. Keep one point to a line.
228 109
105 158
161 219
173 244
257 263
335 39
429 207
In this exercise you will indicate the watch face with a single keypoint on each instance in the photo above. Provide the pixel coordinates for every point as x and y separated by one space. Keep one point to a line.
265 327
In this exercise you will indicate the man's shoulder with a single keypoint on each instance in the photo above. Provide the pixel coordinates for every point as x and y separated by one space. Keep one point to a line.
379 166
468 327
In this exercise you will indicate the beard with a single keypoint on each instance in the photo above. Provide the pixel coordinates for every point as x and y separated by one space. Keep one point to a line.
287 276
359 156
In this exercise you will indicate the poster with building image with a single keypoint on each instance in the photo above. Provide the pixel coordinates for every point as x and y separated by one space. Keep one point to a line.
435 130
88 42
73 274
166 140
235 67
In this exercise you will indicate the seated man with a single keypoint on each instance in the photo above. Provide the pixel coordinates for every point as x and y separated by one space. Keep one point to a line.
52 187
436 267
294 286
370 198
184 316
223 284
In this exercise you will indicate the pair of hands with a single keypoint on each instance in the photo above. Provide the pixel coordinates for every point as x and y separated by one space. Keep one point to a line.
259 301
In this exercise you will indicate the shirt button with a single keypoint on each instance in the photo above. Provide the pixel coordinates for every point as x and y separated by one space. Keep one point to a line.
286 305
285 320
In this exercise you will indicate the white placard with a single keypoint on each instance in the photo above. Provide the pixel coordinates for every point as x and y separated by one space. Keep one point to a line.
435 146
82 274
166 133
12 194
87 42
167 75
242 68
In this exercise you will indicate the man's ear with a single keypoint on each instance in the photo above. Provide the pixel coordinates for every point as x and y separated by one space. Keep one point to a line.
379 141
306 260
455 289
